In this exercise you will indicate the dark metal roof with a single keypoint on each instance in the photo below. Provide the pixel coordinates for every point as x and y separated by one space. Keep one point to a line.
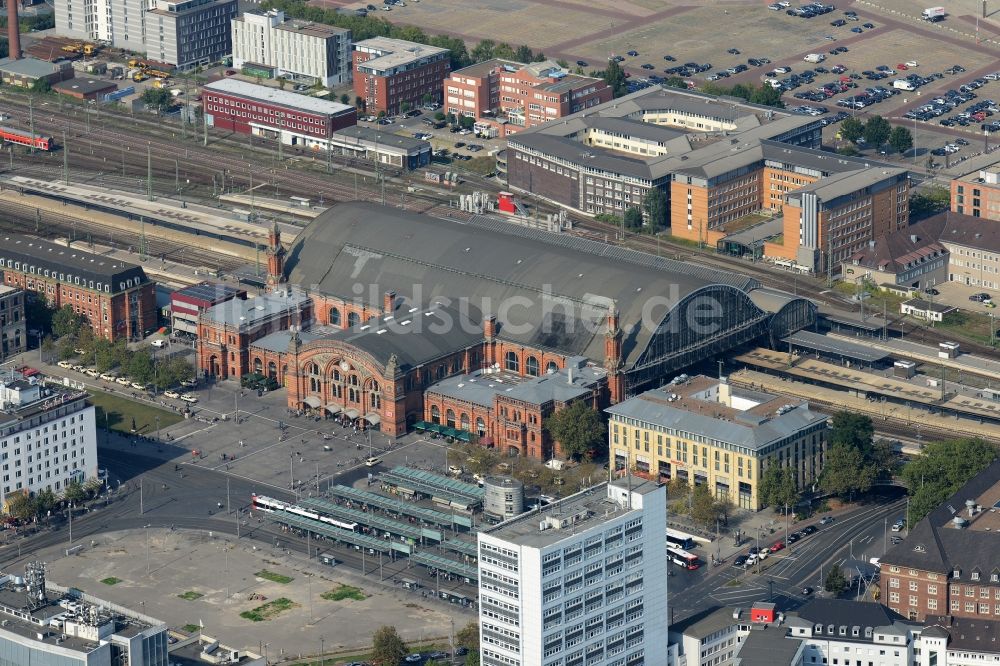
933 545
847 613
403 335
71 262
768 647
972 634
828 345
210 292
549 291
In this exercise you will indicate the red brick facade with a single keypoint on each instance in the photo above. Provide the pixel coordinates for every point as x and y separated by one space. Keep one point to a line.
127 314
385 88
917 594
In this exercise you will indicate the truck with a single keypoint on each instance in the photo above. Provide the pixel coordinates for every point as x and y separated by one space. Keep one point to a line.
815 57
903 84
934 14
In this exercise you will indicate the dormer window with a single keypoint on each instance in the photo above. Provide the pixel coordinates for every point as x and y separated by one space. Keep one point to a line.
975 575
957 573
829 629
995 577
855 631
868 632
819 628
843 631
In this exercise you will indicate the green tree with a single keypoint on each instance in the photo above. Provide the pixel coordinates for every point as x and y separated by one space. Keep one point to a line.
158 99
345 99
943 468
41 86
846 471
777 487
48 346
578 429
359 102
38 313
633 218
851 129
440 115
65 321
404 107
504 51
484 50
703 508
466 122
853 430
140 368
900 139
74 491
45 501
657 209
675 82
562 63
468 637
388 649
614 76
525 54
472 659
877 131
767 96
929 200
835 581
21 506
102 356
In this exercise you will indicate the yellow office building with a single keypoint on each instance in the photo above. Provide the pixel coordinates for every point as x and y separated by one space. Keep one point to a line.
707 432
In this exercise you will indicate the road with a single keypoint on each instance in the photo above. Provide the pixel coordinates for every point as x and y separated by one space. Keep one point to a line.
190 498
858 533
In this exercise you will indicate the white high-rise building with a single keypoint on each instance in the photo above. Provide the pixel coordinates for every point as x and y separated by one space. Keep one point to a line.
301 50
580 581
48 436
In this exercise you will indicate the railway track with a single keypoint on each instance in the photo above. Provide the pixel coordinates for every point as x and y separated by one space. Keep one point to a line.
19 218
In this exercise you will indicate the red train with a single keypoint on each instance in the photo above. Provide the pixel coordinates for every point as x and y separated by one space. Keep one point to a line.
24 138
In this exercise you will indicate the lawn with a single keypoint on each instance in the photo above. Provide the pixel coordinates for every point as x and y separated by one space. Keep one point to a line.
269 610
111 580
191 595
118 413
274 577
190 628
345 592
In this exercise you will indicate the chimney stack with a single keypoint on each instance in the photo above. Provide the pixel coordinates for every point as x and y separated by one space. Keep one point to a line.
13 35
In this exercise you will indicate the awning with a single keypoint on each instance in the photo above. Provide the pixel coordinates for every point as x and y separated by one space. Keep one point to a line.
421 425
486 440
334 409
464 436
448 431
312 401
351 413
373 418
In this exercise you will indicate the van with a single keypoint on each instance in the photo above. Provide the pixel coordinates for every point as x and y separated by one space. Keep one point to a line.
159 343
372 461
815 57
903 84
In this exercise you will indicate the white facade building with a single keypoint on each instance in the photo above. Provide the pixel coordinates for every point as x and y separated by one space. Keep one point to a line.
297 49
582 581
48 437
183 33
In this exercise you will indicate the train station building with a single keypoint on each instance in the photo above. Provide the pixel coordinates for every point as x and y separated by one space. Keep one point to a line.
402 301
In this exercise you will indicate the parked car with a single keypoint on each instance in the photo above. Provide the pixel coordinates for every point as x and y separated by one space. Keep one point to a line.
172 394
932 291
187 397
980 297
633 53
810 529
777 546
740 560
807 591
826 520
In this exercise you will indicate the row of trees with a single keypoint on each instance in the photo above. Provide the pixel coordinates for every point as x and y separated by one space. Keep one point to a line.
763 95
876 132
365 27
74 337
388 648
25 507
943 468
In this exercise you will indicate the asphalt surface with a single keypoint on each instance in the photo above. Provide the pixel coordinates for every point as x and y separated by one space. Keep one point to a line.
859 534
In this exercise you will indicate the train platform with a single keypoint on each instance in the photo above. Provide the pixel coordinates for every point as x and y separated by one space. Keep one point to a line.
176 214
929 354
295 206
921 389
913 416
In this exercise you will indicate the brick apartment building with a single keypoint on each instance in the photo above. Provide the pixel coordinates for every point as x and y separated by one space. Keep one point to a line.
300 120
505 96
12 322
115 298
948 564
977 193
390 72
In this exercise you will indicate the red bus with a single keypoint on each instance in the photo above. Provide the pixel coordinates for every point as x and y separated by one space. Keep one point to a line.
25 138
682 558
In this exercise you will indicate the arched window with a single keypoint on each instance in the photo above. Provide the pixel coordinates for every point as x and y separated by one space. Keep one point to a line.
353 380
375 387
258 366
450 419
440 371
464 422
511 363
480 427
531 366
376 400
272 370
334 317
315 381
435 414
353 319
352 395
336 374
551 367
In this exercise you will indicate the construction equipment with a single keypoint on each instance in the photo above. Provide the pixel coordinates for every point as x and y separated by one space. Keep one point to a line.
158 74
139 77
90 49
72 48
161 83
134 62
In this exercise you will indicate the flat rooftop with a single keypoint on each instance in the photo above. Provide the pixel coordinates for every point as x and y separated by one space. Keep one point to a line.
481 69
592 507
84 86
238 312
835 346
288 99
395 52
312 29
370 136
482 387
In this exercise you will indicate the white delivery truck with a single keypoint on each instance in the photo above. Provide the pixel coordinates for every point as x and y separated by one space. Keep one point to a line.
934 13
815 57
903 84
